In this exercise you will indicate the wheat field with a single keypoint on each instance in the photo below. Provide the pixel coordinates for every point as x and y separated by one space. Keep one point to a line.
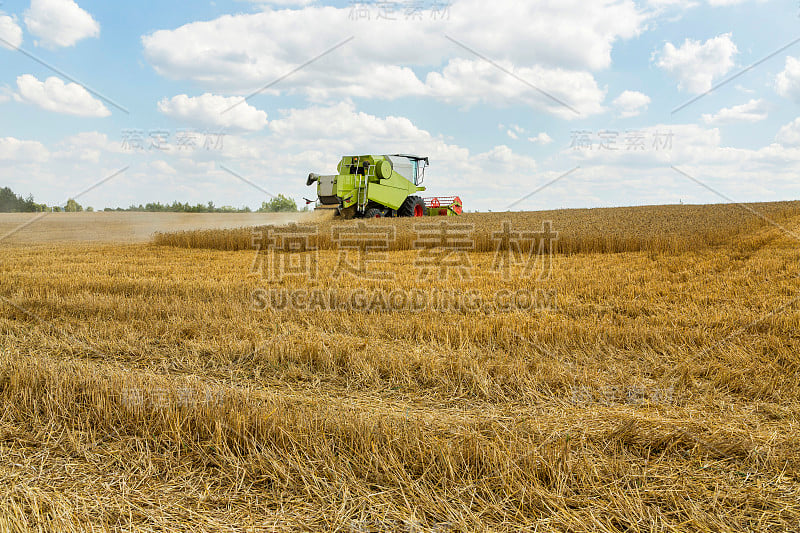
656 388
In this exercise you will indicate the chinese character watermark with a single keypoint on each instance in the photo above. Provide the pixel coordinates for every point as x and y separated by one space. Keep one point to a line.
442 249
369 244
138 140
530 250
412 10
627 141
442 254
288 251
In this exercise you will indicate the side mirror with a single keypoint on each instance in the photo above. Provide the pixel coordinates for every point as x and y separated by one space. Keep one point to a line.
311 179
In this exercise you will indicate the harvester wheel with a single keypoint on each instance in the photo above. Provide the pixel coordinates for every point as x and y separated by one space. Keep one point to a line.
373 212
414 206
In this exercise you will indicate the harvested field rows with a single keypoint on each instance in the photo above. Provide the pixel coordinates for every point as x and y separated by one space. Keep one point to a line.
659 391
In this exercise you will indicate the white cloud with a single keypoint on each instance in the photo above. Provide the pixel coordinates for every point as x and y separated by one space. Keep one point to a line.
60 23
342 124
212 111
557 48
680 6
677 4
787 83
297 142
6 93
718 3
631 103
572 94
162 167
695 65
645 176
10 31
499 155
515 131
16 150
752 111
313 139
789 135
284 3
54 95
328 132
542 139
88 146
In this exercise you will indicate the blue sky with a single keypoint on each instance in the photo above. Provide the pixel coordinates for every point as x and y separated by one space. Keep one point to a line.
401 85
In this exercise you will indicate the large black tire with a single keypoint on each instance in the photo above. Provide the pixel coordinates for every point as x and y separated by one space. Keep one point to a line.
373 212
412 207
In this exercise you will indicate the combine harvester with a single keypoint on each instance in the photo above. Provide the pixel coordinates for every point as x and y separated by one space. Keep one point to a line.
377 186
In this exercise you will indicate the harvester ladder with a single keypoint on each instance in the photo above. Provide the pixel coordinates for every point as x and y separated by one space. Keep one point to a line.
363 183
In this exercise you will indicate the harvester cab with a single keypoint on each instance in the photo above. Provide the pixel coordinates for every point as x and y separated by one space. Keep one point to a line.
376 186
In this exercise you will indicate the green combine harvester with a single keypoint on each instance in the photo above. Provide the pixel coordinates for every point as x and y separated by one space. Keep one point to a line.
376 186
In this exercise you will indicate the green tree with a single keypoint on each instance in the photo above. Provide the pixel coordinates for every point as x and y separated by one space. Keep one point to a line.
278 204
8 200
11 203
72 206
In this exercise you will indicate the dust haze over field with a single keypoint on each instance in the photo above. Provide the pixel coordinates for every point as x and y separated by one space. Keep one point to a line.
168 385
24 228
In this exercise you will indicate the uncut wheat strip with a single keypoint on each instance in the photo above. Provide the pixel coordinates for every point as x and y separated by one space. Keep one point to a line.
602 239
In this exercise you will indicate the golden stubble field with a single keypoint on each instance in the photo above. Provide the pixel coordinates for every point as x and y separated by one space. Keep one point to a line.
658 391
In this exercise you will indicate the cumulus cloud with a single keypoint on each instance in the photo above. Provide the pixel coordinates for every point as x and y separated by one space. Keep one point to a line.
569 94
278 159
90 146
213 111
661 5
557 49
59 23
305 140
753 111
284 3
514 131
696 65
676 8
6 93
717 3
787 83
21 151
747 174
10 32
543 139
342 121
54 95
631 103
789 135
162 167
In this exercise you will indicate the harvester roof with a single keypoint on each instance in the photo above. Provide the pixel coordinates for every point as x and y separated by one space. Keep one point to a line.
413 157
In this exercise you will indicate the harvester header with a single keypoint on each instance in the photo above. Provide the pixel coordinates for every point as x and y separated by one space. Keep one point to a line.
376 186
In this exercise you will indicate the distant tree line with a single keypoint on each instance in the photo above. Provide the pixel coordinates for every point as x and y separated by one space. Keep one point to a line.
11 203
178 207
278 204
